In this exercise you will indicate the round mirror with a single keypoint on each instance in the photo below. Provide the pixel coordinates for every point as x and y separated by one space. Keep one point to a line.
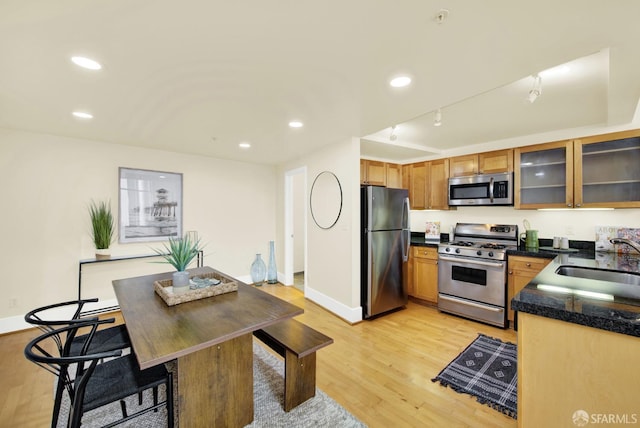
326 200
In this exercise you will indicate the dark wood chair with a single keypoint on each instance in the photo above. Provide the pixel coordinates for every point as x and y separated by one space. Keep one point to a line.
100 378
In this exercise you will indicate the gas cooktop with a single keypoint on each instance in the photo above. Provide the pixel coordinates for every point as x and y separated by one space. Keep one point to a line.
486 241
491 245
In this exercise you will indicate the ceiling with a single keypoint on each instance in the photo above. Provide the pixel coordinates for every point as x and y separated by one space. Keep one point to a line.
201 76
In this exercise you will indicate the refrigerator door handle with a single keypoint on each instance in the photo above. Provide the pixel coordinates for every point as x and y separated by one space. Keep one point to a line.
407 229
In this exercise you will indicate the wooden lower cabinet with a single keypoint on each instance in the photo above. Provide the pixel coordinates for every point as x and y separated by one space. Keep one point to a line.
565 367
423 273
521 271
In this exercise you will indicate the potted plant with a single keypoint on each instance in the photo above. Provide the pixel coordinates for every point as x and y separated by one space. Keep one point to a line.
101 227
179 253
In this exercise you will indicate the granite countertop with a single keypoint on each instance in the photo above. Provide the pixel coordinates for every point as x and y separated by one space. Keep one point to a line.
613 307
585 249
418 240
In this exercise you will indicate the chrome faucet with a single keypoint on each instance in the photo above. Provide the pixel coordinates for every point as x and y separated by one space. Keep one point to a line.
630 243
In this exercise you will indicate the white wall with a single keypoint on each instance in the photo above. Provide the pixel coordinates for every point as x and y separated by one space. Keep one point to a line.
48 182
332 278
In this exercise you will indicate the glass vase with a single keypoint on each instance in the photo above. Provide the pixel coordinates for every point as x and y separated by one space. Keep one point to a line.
272 272
180 282
258 271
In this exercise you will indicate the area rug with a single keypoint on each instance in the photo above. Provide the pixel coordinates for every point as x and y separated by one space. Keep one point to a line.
487 370
268 396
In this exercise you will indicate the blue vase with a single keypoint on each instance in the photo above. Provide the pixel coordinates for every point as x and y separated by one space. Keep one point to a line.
258 271
272 272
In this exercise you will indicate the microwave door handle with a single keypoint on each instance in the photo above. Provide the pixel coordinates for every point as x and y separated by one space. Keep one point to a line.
491 189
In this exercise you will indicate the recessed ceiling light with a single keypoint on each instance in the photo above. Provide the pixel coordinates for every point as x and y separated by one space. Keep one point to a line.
296 124
86 63
82 115
400 81
244 145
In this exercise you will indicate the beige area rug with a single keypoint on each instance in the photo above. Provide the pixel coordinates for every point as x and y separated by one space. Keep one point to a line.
268 395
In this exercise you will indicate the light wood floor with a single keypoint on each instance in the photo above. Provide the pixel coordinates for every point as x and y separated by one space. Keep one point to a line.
379 370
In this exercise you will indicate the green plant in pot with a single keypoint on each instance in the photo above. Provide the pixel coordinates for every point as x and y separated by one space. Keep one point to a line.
101 227
179 253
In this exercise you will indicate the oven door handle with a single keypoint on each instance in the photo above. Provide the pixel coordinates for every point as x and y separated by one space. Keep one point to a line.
475 262
468 303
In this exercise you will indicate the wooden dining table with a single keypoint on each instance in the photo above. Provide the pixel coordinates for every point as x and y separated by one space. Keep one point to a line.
211 340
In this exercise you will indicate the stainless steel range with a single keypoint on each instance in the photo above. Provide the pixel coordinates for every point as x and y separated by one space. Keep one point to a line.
472 271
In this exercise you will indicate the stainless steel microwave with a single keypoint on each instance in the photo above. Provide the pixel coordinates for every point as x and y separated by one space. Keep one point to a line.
482 189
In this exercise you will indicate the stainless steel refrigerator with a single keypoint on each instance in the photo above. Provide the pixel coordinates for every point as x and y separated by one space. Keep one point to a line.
385 244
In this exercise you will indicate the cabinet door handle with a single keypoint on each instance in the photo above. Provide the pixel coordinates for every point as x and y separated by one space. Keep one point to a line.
528 264
510 272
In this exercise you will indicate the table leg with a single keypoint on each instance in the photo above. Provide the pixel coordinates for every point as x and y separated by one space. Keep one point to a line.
216 385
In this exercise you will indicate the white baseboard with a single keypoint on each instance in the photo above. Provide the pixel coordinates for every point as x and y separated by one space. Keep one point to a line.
351 315
11 324
17 323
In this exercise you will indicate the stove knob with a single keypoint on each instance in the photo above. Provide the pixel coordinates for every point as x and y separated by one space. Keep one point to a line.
490 253
447 249
479 252
457 250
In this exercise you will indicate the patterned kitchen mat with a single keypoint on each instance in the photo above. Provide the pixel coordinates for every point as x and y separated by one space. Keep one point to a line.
486 369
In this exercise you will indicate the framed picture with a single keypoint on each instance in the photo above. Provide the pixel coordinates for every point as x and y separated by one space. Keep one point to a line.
150 205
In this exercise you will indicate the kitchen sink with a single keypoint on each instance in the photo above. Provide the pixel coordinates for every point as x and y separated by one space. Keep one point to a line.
615 276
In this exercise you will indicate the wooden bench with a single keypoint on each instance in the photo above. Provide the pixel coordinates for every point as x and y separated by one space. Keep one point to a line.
298 344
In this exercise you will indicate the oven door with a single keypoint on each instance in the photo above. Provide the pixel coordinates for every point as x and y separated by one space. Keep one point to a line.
475 279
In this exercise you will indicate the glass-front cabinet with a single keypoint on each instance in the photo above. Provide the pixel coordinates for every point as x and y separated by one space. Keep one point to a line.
543 175
608 170
601 171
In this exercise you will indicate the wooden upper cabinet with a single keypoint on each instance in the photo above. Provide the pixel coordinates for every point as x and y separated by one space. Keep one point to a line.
607 170
373 173
462 166
481 163
418 185
406 180
439 185
592 172
394 176
428 185
495 162
543 176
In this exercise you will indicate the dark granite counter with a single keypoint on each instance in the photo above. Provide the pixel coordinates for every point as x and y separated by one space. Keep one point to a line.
592 303
545 250
417 239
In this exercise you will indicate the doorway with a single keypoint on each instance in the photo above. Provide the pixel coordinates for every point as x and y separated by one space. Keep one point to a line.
295 227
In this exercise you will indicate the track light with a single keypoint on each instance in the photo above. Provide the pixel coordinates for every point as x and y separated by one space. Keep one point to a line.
393 136
437 119
536 89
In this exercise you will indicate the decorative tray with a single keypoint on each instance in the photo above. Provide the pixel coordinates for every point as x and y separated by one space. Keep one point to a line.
198 290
